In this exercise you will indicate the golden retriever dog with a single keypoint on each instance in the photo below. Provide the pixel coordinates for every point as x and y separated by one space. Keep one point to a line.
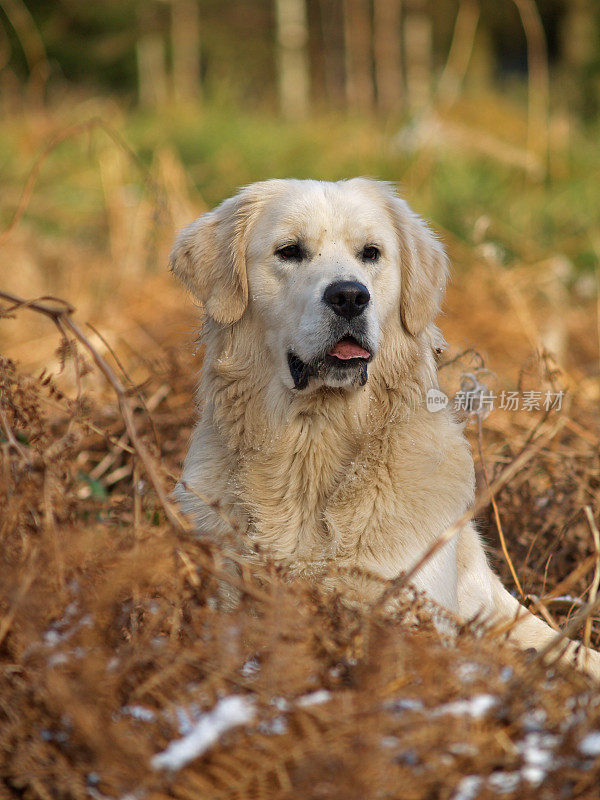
319 300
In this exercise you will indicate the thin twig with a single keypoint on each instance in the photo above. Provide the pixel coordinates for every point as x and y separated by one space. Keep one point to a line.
582 432
50 525
563 587
119 443
124 373
468 351
495 509
24 584
596 580
10 437
214 504
570 629
244 586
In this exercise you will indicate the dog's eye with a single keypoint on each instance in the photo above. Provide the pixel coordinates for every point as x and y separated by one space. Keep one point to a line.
370 253
291 252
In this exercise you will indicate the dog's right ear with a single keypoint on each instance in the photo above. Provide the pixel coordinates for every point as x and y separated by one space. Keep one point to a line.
209 258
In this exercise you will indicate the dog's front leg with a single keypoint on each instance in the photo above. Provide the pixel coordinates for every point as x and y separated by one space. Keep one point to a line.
480 592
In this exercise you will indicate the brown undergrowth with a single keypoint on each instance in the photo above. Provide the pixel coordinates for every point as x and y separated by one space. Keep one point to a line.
113 644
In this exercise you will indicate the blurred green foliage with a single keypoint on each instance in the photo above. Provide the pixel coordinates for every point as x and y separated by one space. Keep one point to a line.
222 148
232 135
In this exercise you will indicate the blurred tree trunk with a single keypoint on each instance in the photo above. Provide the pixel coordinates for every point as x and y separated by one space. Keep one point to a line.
579 37
359 65
332 26
418 53
579 33
538 94
25 28
292 39
151 59
388 65
461 49
185 44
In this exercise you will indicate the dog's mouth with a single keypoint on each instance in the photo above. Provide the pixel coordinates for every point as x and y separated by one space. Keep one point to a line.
348 350
347 356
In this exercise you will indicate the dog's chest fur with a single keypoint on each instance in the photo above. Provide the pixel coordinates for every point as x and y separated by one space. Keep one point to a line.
289 482
367 478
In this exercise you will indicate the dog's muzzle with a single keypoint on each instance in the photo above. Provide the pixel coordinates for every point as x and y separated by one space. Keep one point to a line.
345 357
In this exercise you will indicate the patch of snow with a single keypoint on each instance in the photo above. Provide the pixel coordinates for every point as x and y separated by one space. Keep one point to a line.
390 741
57 659
250 668
468 672
537 750
504 782
314 698
52 638
59 632
475 707
140 713
462 749
187 718
274 727
534 721
54 736
405 704
468 788
228 713
533 775
590 744
281 703
506 673
409 757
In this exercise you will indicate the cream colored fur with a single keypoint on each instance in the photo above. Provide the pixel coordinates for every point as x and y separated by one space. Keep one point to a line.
365 475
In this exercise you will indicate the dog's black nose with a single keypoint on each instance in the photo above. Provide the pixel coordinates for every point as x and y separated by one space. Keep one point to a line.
347 298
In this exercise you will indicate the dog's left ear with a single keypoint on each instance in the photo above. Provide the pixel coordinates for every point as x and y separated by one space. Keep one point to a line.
209 257
424 267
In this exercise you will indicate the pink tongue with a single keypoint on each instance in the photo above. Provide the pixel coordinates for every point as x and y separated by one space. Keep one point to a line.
347 349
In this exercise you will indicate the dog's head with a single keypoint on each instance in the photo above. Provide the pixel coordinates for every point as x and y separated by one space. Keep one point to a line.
321 267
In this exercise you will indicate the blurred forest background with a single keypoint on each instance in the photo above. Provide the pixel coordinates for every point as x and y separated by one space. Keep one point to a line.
493 92
389 56
120 121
